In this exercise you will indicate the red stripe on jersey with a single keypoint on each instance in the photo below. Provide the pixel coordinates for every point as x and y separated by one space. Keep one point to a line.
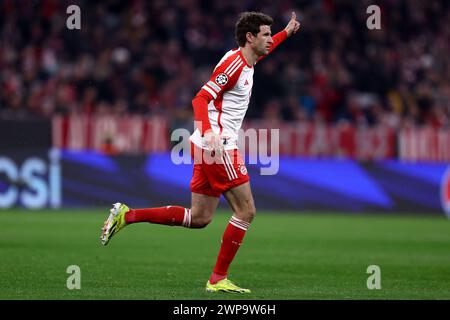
228 62
232 64
243 59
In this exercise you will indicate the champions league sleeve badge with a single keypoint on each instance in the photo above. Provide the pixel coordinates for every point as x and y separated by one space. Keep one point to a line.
221 79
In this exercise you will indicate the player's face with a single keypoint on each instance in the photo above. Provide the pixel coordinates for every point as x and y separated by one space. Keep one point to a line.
263 41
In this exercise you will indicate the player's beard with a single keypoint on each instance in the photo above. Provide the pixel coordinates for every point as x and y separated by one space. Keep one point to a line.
262 50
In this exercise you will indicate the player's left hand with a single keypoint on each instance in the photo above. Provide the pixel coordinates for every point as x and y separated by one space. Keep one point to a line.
293 26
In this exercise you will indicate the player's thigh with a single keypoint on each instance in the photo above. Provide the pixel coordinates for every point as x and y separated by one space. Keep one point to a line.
203 208
240 199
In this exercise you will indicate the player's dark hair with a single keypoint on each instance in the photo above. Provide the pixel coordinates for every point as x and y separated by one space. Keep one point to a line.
250 22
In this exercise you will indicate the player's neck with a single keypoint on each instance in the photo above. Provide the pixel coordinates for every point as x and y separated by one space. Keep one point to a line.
249 55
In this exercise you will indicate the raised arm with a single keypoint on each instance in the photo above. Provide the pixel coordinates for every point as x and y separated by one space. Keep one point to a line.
291 28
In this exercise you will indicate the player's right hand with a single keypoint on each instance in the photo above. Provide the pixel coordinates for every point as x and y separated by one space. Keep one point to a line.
213 142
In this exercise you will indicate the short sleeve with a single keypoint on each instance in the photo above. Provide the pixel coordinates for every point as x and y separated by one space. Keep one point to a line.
225 75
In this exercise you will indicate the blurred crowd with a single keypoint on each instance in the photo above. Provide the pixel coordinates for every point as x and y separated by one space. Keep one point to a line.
151 57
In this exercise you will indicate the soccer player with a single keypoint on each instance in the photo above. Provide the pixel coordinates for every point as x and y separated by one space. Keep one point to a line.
219 109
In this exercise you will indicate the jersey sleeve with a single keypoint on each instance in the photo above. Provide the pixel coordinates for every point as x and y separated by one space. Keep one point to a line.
224 76
200 106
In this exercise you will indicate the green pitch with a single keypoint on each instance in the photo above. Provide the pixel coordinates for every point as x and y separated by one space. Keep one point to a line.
284 256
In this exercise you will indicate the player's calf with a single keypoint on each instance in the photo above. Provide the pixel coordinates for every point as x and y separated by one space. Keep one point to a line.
168 215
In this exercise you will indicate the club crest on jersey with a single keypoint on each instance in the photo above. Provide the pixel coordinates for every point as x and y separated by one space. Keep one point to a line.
221 79
242 169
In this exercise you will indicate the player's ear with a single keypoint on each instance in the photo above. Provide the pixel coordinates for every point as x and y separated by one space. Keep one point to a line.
249 36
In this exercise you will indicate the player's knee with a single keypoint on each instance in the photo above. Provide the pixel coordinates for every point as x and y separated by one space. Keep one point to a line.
200 222
200 218
247 215
251 213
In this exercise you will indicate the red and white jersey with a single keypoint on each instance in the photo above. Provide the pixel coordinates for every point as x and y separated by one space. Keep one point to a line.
230 87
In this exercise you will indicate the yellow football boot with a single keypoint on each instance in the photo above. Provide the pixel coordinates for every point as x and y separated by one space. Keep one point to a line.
114 223
225 285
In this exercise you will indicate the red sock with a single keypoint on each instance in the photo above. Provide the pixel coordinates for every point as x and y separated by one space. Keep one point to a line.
231 240
169 215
